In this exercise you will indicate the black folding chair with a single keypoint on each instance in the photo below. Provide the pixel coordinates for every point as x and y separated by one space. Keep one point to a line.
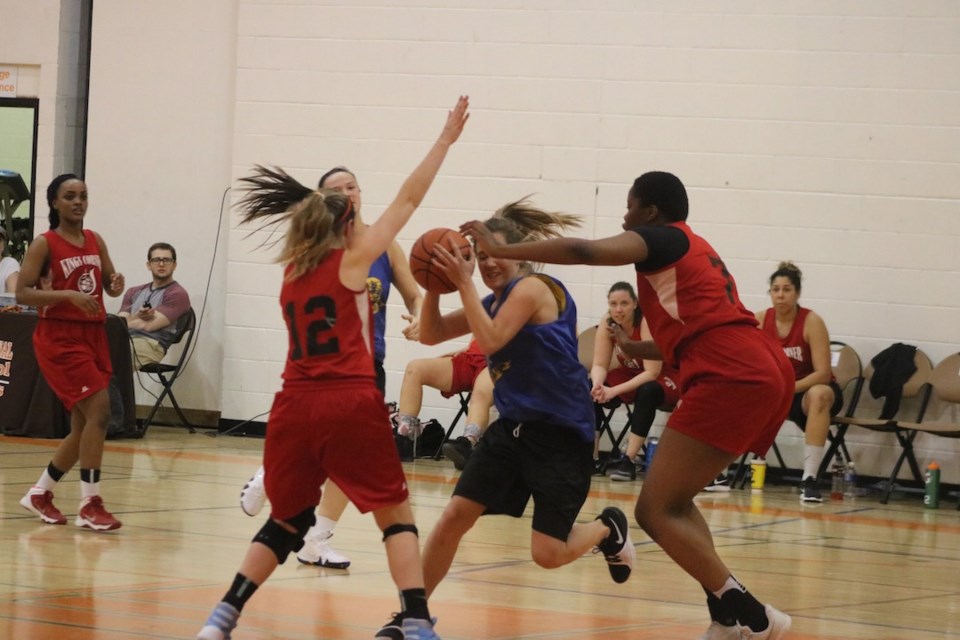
167 374
464 398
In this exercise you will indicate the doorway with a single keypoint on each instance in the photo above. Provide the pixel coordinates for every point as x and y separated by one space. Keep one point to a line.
18 160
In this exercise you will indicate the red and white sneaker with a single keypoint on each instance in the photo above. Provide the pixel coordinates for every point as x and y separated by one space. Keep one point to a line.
40 502
94 516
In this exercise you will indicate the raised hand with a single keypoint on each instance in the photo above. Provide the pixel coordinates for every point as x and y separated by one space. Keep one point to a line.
483 237
456 118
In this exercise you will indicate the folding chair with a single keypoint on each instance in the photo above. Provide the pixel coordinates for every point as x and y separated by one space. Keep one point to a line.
916 388
942 415
848 371
168 373
585 342
464 398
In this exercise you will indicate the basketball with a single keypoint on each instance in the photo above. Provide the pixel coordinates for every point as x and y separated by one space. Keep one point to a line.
426 274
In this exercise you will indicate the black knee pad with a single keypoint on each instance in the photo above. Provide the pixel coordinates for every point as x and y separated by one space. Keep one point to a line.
282 542
394 529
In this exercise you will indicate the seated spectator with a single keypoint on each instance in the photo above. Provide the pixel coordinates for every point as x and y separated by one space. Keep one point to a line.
450 374
806 342
633 381
152 309
9 267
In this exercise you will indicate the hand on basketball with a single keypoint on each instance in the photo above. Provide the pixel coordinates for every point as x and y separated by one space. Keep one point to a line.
483 237
456 118
453 264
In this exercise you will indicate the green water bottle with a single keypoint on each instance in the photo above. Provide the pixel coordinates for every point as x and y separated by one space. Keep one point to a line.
931 499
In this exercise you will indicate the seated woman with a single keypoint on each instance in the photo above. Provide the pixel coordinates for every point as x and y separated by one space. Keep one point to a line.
633 381
806 342
9 267
450 374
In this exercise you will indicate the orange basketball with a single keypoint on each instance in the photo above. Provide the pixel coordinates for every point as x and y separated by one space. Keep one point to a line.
426 275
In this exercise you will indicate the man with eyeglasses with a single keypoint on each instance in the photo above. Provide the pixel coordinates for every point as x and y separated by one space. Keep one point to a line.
152 309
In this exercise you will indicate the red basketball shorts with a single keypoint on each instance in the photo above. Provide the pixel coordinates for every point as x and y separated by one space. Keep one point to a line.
73 357
736 387
330 430
467 365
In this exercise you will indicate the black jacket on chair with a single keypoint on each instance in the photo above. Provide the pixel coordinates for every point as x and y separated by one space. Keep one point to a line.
892 367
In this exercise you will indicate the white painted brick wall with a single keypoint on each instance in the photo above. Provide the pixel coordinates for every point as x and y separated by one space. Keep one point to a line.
820 131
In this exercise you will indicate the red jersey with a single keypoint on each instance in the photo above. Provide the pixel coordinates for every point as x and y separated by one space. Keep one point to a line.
794 346
628 362
74 268
689 296
330 327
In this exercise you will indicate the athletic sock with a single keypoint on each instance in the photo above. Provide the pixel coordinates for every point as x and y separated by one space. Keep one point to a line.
50 477
413 603
812 456
735 597
240 591
718 611
89 482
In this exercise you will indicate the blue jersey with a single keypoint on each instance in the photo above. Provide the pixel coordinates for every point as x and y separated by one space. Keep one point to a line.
537 376
378 286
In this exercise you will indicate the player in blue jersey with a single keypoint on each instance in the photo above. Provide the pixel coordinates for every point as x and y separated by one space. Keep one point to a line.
542 444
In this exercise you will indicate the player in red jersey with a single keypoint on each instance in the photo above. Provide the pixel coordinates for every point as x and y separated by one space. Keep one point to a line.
329 413
63 275
735 383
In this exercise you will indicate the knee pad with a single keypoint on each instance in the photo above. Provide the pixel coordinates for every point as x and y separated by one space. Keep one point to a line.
282 542
394 529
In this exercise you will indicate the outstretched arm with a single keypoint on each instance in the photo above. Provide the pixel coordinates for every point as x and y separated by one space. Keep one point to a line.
625 248
382 232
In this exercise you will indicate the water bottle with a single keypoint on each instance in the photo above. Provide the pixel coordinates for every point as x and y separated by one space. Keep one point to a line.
931 499
651 449
836 487
850 480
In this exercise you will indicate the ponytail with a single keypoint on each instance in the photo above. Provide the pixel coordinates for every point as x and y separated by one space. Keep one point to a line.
316 218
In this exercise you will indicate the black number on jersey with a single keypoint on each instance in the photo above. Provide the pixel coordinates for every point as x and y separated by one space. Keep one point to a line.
715 261
316 346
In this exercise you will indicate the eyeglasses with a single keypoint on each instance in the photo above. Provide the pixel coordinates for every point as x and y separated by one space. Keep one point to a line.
161 260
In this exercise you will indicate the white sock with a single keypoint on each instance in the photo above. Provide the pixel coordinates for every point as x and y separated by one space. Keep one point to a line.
472 431
731 583
89 489
812 456
46 482
324 527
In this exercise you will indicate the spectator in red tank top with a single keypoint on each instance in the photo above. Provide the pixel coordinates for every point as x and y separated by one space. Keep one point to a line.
735 383
806 343
70 343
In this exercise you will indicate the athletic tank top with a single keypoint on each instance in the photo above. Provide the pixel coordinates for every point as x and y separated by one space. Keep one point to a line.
537 376
629 362
688 297
794 346
329 326
74 268
378 286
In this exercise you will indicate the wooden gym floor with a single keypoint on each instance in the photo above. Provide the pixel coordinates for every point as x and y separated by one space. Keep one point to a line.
850 570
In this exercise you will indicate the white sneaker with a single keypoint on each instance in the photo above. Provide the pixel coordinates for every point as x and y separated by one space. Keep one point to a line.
318 552
779 625
253 495
717 631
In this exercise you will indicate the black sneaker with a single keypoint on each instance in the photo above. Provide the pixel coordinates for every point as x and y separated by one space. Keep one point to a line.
720 484
458 451
617 548
624 470
393 630
599 467
809 491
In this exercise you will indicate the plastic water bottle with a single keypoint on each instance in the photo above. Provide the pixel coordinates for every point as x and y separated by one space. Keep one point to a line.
931 499
836 486
651 449
850 480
